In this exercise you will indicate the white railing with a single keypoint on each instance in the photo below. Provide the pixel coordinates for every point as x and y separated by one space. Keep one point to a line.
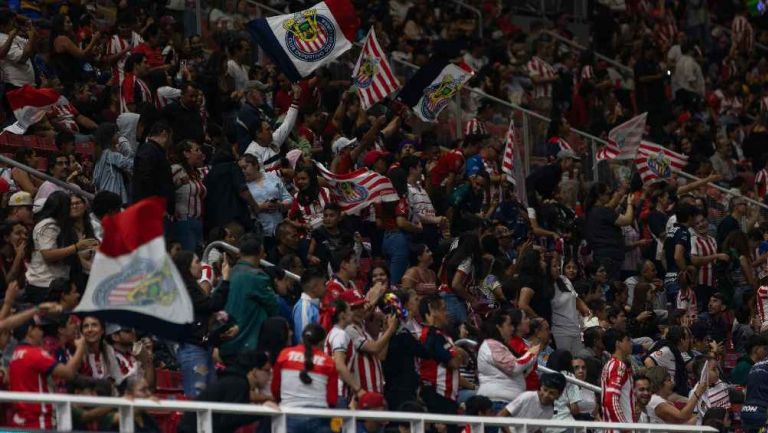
204 412
578 47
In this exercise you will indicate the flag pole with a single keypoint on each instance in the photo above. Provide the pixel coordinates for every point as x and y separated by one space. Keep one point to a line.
720 188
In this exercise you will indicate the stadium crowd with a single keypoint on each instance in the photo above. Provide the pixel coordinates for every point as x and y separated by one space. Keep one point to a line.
445 301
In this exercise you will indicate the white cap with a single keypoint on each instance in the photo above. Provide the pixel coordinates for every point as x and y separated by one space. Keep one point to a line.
342 143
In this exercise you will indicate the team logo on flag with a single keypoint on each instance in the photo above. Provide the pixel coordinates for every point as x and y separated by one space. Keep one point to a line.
660 165
439 94
351 192
143 283
369 67
309 36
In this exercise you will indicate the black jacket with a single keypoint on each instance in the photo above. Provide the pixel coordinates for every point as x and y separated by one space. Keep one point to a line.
205 307
187 124
152 175
231 387
223 203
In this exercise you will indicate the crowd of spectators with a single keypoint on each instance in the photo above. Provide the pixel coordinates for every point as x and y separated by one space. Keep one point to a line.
446 301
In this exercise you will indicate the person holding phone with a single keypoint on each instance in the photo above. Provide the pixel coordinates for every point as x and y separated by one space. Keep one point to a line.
603 225
17 40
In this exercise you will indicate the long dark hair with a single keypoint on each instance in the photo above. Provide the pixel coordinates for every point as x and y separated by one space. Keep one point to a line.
560 360
57 29
468 247
489 327
183 261
312 336
186 146
57 206
312 192
595 191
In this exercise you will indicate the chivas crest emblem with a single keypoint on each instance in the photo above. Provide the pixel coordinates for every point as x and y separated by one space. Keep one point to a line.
659 164
437 96
309 36
351 193
369 67
144 282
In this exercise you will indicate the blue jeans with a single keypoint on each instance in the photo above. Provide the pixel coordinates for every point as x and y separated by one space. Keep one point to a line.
197 369
303 424
189 233
396 249
456 307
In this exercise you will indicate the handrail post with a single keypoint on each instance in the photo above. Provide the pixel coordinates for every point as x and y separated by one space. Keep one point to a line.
526 144
457 113
204 421
279 423
350 424
64 416
126 419
595 162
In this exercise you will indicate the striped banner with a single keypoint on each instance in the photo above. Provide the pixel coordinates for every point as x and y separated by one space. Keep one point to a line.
372 75
359 189
654 161
624 139
511 142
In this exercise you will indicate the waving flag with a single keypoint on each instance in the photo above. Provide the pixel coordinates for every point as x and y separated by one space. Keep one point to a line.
511 142
359 189
624 139
29 105
433 86
133 280
654 161
303 41
372 74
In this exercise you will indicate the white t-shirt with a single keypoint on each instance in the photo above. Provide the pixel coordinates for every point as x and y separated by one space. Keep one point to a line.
239 74
562 407
339 341
651 409
14 72
39 272
527 405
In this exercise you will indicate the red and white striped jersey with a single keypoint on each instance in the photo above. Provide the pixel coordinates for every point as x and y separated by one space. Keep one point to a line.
716 395
475 127
538 68
445 379
288 388
311 214
761 182
704 245
561 142
63 114
686 301
667 30
365 366
587 73
117 44
618 397
742 33
762 305
338 341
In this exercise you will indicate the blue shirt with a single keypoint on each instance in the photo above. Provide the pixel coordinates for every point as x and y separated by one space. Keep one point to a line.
306 311
271 188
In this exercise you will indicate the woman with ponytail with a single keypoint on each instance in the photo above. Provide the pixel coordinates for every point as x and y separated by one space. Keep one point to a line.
304 376
338 346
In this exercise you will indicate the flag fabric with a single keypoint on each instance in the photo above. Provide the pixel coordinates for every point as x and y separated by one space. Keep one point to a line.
359 189
372 75
561 143
654 161
29 106
432 87
511 142
133 280
303 41
624 139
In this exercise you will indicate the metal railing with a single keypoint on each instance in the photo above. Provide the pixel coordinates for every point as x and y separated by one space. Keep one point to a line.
37 173
577 46
349 418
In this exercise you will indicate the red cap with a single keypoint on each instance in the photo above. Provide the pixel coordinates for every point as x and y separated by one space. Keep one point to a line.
684 117
371 400
372 156
352 297
4 186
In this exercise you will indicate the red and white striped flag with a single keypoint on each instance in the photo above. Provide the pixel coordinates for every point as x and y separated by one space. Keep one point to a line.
359 189
372 74
29 105
657 162
624 139
511 143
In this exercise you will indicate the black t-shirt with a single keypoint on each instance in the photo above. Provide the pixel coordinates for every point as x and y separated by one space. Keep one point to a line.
328 243
727 225
603 234
657 223
679 235
651 92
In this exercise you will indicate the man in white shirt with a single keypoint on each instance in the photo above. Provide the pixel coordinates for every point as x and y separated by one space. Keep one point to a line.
266 143
688 79
16 65
237 65
537 404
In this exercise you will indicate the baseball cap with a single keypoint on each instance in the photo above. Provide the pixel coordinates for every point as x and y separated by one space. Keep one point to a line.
372 156
342 143
21 198
113 328
371 400
256 84
567 153
352 297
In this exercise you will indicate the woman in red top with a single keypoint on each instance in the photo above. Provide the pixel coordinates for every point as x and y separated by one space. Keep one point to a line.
304 376
520 347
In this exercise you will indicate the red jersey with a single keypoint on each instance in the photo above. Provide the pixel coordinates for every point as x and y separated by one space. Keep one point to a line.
762 306
288 388
311 214
154 55
333 289
434 371
389 221
28 371
133 91
617 391
450 162
519 347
